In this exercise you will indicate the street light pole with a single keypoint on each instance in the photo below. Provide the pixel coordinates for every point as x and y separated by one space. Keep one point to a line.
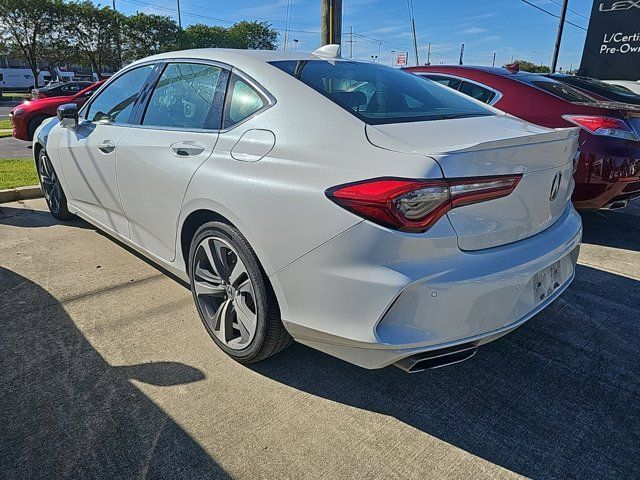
556 48
179 15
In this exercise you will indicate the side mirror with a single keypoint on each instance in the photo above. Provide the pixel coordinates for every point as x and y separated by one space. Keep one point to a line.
68 115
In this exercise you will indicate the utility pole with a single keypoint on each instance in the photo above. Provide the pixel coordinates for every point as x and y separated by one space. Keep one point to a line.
429 54
461 53
351 41
179 15
413 31
393 57
331 22
493 62
556 48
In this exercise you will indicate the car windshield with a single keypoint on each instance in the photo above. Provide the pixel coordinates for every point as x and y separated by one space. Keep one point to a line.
587 82
379 95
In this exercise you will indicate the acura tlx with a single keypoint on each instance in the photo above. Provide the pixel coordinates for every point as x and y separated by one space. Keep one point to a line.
361 210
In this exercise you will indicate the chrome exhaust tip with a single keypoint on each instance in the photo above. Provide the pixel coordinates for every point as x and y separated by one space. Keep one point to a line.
437 358
616 204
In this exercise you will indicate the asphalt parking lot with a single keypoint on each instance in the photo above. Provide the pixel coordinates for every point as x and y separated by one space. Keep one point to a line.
107 372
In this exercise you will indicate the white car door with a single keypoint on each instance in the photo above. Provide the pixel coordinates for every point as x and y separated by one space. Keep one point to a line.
88 153
157 158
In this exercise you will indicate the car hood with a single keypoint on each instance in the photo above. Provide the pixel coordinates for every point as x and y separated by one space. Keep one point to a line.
45 102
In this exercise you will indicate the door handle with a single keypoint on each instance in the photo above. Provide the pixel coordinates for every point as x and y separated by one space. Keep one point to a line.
106 146
187 149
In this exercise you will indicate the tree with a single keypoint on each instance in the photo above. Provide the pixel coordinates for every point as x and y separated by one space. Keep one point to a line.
527 66
204 36
94 33
26 26
149 34
254 35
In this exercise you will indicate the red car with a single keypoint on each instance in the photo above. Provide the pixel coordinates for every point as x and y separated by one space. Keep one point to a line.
27 116
608 170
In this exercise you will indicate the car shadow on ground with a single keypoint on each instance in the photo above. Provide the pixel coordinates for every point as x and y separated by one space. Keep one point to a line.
617 229
15 217
557 398
67 413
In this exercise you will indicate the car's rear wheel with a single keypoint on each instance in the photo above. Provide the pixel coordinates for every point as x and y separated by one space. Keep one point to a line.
233 295
51 188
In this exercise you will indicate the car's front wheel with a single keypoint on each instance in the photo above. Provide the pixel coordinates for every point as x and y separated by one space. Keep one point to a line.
51 188
233 295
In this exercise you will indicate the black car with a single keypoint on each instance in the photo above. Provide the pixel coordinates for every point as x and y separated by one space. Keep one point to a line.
61 89
615 93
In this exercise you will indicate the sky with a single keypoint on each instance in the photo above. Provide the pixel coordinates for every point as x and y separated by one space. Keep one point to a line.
512 29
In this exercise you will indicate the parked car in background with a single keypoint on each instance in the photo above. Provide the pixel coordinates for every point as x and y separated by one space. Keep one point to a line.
608 169
60 89
628 84
598 88
28 116
359 209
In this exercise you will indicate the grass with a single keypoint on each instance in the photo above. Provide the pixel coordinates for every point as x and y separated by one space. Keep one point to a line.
4 124
17 172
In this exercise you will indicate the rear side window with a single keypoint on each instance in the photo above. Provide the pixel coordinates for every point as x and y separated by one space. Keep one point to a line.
115 102
446 81
242 101
565 92
184 97
378 95
476 91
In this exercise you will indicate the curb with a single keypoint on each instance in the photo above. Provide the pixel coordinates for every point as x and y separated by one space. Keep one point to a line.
20 193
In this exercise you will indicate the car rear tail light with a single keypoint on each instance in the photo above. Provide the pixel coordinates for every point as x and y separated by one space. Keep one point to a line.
415 205
599 125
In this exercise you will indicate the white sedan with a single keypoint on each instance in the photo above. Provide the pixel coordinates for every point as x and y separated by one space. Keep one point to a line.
355 208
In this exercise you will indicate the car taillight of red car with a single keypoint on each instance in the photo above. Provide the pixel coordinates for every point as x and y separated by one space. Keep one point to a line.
602 125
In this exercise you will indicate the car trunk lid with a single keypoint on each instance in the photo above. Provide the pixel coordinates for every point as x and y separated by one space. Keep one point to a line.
488 146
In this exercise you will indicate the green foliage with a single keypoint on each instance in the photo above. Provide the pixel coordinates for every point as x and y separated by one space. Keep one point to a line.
204 36
527 66
148 34
49 32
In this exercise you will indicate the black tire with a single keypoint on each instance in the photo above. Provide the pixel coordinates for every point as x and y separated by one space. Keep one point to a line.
270 335
51 188
34 123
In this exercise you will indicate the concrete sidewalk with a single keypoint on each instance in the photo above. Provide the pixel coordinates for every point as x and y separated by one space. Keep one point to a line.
107 372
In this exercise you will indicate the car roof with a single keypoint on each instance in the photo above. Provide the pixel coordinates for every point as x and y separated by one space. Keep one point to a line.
503 72
237 57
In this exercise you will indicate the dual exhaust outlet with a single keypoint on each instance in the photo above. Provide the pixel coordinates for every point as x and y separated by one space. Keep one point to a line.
437 358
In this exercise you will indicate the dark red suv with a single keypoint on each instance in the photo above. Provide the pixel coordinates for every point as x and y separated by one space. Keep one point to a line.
608 170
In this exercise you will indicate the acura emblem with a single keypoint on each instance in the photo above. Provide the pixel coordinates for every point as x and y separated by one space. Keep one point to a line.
555 186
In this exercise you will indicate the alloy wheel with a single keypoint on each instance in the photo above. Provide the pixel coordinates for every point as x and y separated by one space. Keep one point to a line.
49 182
225 293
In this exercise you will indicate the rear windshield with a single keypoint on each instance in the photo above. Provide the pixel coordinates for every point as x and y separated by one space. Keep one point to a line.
378 95
562 90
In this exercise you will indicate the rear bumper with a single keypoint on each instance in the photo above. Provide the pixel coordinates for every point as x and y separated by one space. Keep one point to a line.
374 297
608 172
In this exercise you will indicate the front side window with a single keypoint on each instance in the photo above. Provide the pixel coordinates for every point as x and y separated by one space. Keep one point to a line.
378 95
242 101
184 97
115 103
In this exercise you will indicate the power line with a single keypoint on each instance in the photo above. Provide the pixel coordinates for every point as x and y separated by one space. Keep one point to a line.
572 11
553 14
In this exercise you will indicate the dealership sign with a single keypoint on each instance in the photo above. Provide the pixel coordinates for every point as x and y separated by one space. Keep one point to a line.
401 58
612 48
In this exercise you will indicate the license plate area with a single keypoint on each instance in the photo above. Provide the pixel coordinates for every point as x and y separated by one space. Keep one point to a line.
547 281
